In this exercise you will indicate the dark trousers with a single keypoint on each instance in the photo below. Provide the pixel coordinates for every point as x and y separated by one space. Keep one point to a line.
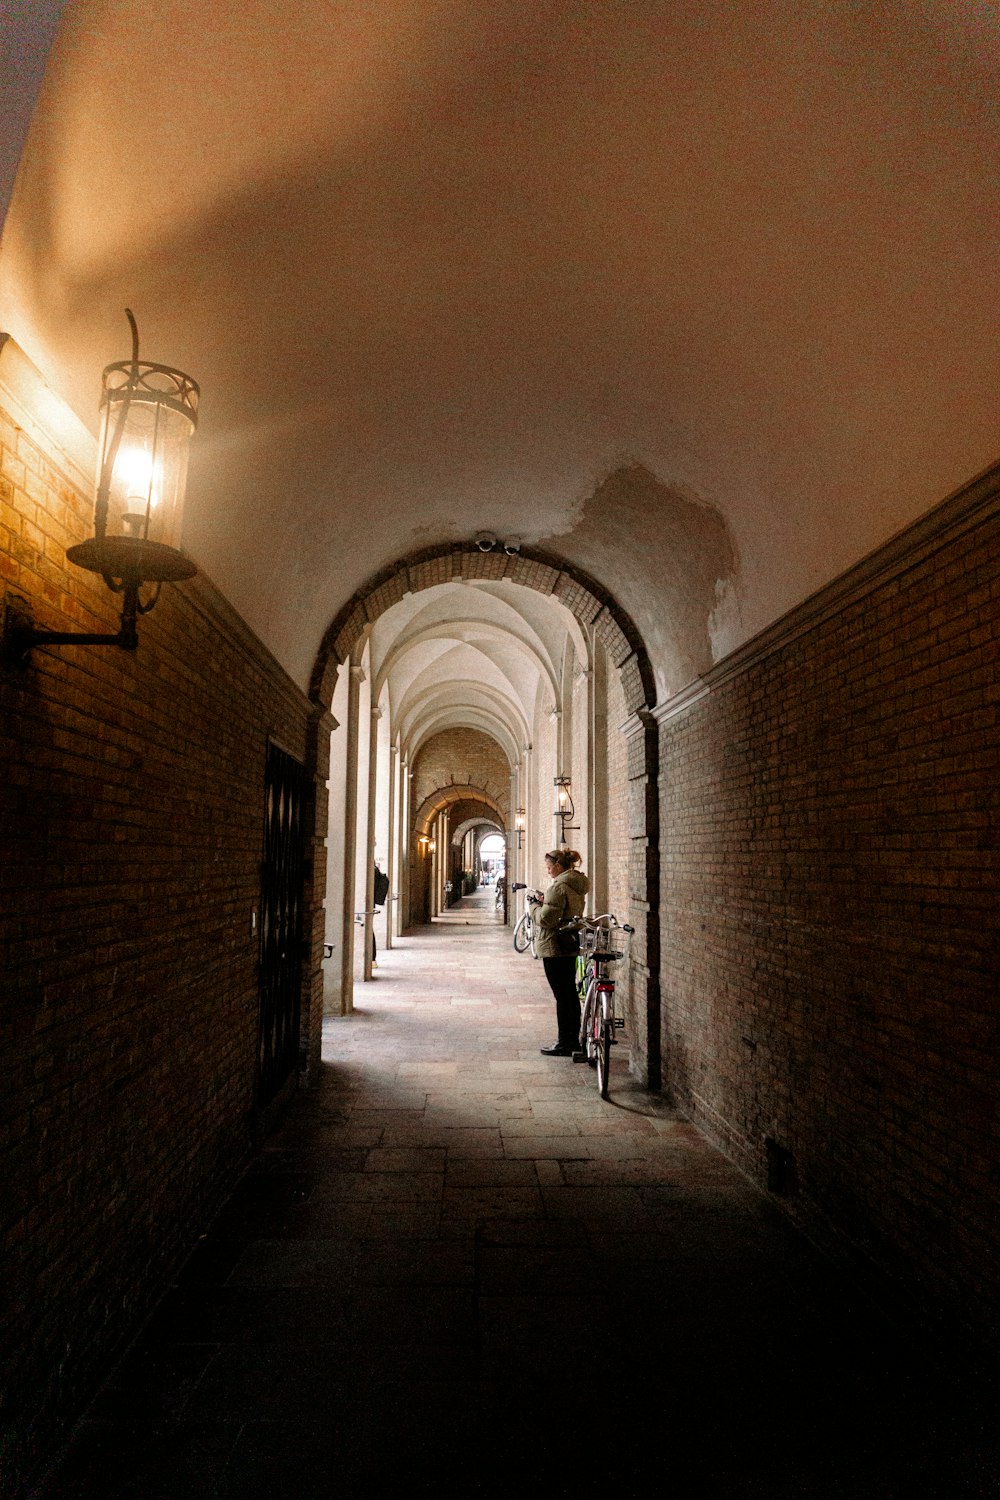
561 974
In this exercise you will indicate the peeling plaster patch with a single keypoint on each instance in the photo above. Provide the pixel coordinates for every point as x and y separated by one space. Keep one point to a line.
725 623
668 558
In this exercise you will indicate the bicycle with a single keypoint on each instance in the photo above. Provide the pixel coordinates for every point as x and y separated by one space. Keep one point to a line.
598 1020
524 930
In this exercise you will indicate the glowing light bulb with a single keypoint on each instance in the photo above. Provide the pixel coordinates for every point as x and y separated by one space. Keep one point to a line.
135 471
138 479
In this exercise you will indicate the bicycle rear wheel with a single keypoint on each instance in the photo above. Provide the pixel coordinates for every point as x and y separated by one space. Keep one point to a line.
607 1026
523 933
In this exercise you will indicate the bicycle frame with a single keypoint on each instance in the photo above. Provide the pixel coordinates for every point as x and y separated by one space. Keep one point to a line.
599 1020
524 928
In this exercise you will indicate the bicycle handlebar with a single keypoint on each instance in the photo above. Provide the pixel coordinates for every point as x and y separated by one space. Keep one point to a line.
606 918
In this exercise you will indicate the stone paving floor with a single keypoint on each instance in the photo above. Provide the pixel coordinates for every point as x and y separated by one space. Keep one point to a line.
456 1270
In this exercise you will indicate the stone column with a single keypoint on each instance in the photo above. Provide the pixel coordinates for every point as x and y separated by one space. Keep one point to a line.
357 676
552 791
404 918
529 811
597 775
391 852
642 741
444 846
376 714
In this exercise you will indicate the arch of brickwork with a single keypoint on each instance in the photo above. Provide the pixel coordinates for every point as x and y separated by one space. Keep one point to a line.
489 824
581 595
595 609
480 800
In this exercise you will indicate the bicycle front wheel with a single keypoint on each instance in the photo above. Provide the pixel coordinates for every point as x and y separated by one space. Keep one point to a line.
523 933
591 1022
604 1055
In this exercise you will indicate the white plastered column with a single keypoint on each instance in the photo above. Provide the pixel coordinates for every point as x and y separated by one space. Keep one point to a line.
597 775
444 847
391 859
404 918
524 777
375 716
512 839
357 676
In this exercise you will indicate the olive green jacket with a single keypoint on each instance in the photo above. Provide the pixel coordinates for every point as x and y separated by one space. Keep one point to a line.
565 897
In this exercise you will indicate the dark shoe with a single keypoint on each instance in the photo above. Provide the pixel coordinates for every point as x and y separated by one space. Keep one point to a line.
556 1050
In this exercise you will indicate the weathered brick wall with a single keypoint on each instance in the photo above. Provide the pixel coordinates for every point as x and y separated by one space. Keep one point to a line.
831 925
132 813
463 757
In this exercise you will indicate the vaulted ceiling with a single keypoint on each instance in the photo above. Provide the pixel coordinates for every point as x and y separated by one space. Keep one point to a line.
698 296
482 655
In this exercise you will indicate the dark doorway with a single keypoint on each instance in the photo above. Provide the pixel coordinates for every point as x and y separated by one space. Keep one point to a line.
280 924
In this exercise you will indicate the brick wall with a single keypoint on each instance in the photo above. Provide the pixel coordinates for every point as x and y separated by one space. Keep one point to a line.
461 757
132 816
831 925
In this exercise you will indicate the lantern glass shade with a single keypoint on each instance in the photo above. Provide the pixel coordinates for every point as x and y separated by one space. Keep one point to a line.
148 415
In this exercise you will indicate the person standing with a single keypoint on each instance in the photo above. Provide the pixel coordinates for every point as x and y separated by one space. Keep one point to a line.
564 898
381 892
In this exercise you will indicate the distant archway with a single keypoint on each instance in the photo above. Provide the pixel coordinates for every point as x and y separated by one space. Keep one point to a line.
448 796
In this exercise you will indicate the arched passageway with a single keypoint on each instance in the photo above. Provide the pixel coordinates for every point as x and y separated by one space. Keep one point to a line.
470 681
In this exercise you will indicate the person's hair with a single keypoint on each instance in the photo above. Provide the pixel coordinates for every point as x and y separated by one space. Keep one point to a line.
564 858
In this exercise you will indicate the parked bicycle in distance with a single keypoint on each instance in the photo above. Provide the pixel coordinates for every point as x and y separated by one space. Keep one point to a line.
524 930
599 1019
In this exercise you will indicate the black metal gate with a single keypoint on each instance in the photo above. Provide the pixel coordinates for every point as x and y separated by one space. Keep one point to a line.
280 923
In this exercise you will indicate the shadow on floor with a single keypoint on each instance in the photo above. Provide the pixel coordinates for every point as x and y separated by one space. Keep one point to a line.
454 1269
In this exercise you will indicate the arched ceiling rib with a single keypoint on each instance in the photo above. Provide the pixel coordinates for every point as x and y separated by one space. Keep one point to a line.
437 719
459 655
482 636
449 796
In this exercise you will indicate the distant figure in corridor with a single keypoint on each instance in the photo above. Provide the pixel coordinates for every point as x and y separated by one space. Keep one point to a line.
381 893
564 898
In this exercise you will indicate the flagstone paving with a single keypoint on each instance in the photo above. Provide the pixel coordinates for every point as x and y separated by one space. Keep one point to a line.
454 1269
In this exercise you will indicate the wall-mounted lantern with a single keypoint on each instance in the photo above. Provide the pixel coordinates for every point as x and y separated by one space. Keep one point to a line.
148 415
564 806
519 826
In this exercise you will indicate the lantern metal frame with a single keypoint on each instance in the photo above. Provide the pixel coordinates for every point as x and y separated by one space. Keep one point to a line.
566 809
126 563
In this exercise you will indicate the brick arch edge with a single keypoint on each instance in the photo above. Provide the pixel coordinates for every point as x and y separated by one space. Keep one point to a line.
592 605
594 608
448 796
